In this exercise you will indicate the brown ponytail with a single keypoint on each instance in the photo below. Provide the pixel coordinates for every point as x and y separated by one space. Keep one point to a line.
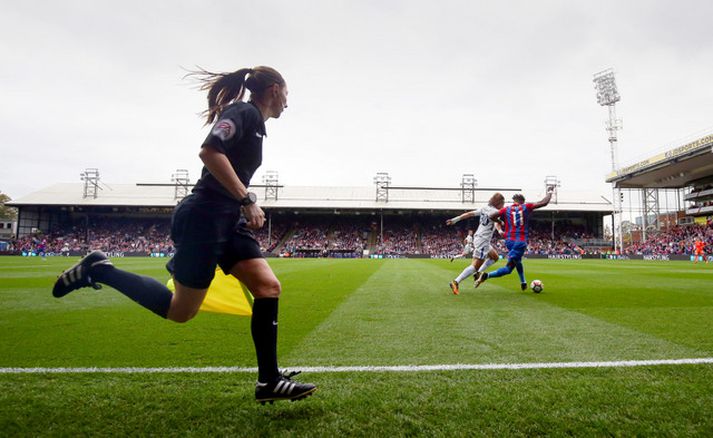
226 88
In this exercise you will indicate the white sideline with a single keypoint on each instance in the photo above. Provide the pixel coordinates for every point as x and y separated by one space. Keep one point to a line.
367 369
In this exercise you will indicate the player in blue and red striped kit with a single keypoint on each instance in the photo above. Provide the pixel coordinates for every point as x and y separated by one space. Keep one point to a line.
515 219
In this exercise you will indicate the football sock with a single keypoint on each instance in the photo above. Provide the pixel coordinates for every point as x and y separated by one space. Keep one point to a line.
144 290
520 272
467 272
505 270
263 327
486 265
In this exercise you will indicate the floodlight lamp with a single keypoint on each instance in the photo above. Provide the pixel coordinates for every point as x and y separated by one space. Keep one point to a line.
382 178
605 85
469 179
271 177
552 181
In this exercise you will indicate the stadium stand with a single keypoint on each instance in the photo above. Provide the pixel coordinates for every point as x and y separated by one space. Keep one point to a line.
678 240
322 236
391 222
399 237
314 236
144 230
145 236
302 221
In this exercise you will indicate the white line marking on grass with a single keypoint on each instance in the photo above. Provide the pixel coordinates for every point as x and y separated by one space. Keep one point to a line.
369 369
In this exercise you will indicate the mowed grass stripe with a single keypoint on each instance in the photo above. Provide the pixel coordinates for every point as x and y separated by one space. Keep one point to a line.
90 328
638 284
406 313
669 300
601 299
311 290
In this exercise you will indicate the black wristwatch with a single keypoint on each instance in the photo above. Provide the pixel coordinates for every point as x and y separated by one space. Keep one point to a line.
250 198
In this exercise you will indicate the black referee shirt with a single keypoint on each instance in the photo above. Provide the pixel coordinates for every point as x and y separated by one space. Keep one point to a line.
238 134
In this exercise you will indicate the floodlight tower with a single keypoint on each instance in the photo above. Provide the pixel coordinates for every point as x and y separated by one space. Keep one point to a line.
181 181
382 181
608 95
552 181
468 183
271 179
91 182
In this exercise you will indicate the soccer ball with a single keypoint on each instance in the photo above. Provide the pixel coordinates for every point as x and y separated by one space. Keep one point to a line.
537 286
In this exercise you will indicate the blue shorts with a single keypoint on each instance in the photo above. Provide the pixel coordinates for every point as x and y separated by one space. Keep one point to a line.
516 250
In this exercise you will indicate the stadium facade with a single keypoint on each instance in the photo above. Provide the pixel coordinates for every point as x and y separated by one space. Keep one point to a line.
687 169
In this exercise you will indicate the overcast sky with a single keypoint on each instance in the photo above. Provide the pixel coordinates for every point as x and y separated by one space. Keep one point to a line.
426 90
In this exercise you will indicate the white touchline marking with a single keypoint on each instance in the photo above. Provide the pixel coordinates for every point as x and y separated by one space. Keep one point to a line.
368 368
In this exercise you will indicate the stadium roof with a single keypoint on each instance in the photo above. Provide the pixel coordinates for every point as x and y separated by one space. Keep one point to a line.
306 197
676 168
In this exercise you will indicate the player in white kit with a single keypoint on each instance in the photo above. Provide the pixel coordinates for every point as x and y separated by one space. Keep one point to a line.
483 253
467 247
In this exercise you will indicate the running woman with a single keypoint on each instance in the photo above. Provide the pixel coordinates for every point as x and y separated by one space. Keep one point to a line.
484 254
213 225
516 219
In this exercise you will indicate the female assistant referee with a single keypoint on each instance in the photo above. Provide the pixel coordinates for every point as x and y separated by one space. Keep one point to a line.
212 226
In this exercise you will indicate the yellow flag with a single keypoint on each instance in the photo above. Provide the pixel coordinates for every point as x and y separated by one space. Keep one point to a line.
225 295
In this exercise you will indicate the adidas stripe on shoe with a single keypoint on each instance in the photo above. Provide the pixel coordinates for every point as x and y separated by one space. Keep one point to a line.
80 275
284 388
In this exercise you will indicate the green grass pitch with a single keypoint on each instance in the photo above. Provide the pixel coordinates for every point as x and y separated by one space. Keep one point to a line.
378 313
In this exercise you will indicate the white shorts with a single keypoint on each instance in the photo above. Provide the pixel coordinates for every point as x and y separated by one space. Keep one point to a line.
482 250
468 249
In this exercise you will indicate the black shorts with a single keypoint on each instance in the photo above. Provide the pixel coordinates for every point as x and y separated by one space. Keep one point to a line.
208 231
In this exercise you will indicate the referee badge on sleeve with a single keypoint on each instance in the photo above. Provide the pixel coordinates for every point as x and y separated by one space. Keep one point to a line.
224 129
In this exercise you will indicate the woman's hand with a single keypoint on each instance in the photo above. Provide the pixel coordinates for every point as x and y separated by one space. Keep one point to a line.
254 215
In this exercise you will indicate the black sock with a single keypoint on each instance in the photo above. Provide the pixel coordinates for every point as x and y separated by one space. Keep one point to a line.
264 330
144 290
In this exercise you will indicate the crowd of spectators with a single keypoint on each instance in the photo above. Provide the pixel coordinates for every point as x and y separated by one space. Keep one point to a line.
117 235
543 244
321 238
439 240
346 237
270 236
398 239
307 240
563 239
677 240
